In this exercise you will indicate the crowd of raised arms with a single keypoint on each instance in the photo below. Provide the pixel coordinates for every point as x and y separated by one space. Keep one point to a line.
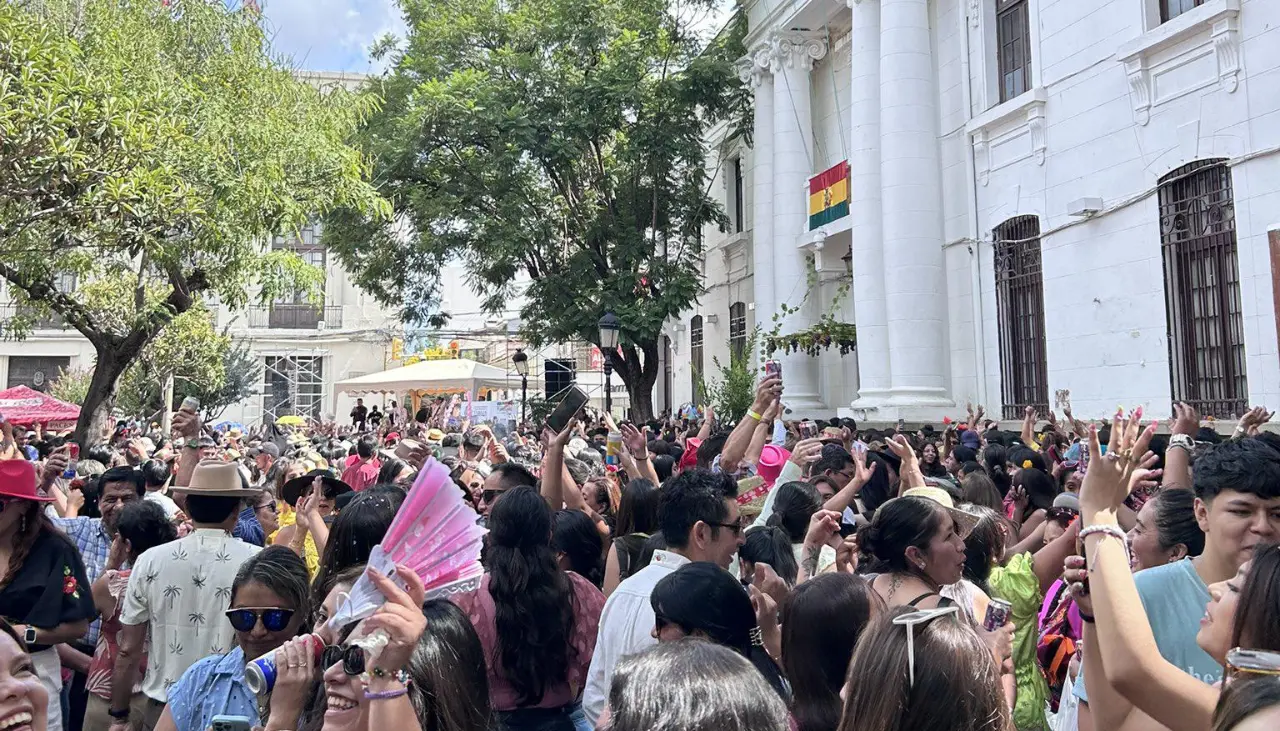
768 575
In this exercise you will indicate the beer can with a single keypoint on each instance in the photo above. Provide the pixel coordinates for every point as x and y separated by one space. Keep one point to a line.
190 404
772 368
260 673
998 614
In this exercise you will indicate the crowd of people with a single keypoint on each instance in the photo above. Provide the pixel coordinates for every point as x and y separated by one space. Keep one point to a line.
766 575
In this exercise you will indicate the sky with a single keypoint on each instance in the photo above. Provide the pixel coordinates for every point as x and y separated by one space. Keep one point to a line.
331 35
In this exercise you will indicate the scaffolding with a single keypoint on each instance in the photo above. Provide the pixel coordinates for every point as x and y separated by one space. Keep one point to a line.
293 384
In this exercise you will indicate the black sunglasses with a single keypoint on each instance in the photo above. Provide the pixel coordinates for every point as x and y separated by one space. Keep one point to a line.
273 618
351 656
735 527
490 496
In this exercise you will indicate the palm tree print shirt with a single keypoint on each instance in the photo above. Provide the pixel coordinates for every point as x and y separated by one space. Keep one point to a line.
181 590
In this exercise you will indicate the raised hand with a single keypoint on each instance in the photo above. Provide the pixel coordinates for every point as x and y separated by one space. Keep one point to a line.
1186 420
1107 481
824 529
806 452
910 473
634 440
1251 423
400 617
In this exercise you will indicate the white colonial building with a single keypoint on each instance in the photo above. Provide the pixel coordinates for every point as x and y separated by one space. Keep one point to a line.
1045 197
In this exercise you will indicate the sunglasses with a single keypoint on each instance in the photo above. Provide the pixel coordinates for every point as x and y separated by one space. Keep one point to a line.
351 656
917 618
273 619
735 527
490 496
268 506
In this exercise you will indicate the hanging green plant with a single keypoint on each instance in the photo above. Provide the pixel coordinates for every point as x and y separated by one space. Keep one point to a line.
827 333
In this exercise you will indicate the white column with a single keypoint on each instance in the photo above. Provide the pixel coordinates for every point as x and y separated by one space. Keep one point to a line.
911 190
869 311
794 54
754 70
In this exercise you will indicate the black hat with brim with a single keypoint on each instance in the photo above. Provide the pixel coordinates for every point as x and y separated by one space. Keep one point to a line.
295 488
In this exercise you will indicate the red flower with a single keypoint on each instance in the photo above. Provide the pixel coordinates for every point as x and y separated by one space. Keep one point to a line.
68 585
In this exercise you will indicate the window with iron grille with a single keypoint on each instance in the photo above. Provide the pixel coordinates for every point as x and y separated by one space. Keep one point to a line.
737 329
1170 9
1024 371
695 356
1013 39
1202 289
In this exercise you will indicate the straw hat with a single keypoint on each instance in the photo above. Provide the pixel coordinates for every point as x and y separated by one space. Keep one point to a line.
964 521
18 480
215 478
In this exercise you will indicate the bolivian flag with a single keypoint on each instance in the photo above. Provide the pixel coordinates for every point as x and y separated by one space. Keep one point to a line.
829 195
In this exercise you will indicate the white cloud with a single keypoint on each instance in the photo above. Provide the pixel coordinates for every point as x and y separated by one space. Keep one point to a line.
331 35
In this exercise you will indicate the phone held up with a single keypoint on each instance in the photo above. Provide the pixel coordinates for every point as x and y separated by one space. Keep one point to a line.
574 399
230 723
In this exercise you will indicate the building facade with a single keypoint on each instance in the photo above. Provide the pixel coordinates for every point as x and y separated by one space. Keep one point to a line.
1045 199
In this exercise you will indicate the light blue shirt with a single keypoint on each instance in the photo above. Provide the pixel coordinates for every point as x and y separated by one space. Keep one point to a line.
1174 598
212 687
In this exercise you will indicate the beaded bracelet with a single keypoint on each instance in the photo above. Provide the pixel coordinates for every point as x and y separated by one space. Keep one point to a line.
1108 529
383 695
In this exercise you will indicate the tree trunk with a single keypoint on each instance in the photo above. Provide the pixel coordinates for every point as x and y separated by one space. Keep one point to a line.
639 371
94 424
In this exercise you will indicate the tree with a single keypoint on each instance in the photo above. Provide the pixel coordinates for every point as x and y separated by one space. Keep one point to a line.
71 385
190 350
562 139
159 144
242 373
735 390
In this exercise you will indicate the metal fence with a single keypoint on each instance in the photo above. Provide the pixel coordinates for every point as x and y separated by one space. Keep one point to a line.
295 317
1202 289
1024 369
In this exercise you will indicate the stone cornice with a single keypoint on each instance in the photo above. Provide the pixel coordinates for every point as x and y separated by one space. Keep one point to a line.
796 50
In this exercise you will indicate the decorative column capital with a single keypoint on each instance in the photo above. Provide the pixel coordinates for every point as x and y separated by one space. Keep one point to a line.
852 3
796 50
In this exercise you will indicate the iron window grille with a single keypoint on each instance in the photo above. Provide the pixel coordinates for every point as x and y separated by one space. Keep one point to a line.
1024 371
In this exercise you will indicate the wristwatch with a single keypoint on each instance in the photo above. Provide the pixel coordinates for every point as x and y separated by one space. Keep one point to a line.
29 636
1182 441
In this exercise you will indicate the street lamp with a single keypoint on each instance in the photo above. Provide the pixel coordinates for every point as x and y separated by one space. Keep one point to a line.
522 367
609 329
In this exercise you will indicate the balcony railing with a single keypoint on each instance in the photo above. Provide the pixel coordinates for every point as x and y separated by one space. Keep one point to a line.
46 322
295 317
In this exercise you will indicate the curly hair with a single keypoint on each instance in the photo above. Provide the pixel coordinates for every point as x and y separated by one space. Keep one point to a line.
532 597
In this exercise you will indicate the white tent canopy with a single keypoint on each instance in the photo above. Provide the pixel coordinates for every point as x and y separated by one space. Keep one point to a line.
430 376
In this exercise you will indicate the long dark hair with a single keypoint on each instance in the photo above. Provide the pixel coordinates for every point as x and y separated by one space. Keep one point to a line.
1257 621
899 524
34 521
702 597
771 545
996 459
821 623
795 505
638 512
533 599
448 671
957 681
984 546
357 529
575 535
934 468
1243 697
1040 488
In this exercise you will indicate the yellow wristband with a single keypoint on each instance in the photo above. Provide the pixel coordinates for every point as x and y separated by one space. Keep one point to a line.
754 415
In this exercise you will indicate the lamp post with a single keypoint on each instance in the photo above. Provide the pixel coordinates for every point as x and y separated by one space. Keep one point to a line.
609 329
522 367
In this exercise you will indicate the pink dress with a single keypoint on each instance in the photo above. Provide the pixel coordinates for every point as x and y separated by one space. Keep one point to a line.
587 605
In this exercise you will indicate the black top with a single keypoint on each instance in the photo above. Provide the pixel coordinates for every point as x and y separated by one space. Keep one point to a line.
50 589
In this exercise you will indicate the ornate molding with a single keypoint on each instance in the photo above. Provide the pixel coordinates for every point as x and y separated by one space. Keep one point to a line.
1039 132
1139 88
1226 46
982 156
796 50
974 13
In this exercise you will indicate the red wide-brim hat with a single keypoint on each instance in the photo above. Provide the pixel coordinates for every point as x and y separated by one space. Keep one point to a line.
18 480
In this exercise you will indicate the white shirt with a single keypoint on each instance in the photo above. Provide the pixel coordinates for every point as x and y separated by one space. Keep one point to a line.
181 590
626 627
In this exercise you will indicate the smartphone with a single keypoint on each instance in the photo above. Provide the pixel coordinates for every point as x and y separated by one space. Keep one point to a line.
73 454
1257 662
230 723
574 399
808 430
902 425
191 404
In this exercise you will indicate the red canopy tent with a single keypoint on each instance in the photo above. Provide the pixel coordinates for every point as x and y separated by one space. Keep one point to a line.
25 406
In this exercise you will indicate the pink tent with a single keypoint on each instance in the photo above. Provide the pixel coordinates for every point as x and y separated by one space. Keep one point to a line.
24 406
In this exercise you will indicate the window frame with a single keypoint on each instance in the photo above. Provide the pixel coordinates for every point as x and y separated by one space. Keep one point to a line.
1208 365
737 330
1020 316
739 196
696 364
1001 10
1167 10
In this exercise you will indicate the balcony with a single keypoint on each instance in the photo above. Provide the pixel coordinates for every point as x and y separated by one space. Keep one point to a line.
296 317
10 310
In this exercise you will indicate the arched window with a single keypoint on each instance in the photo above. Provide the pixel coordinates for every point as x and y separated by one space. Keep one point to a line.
695 356
1202 289
737 329
1020 316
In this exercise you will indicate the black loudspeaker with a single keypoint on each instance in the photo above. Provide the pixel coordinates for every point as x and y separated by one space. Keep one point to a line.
559 374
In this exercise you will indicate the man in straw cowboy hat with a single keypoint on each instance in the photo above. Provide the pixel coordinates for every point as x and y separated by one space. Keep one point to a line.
178 591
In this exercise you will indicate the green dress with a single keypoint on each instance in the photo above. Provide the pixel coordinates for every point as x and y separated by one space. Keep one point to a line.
1017 584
